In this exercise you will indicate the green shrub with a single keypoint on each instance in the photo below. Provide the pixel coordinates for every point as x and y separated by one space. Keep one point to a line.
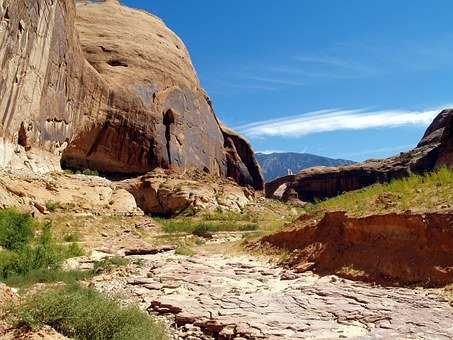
110 263
89 172
72 250
83 313
184 250
41 253
203 230
16 229
52 206
72 237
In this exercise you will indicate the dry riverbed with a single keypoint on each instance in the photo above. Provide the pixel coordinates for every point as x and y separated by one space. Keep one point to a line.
238 296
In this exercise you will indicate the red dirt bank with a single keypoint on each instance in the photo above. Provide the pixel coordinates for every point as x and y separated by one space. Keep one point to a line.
392 249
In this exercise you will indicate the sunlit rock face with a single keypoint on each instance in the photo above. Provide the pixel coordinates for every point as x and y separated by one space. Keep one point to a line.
111 86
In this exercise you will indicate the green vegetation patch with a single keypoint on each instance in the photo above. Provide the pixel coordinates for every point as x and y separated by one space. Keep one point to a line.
427 192
200 228
16 229
110 263
184 250
83 313
29 250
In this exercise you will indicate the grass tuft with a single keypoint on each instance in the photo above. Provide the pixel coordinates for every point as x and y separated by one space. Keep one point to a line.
72 237
52 206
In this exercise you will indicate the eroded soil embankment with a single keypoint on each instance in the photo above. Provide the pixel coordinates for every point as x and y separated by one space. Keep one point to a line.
394 248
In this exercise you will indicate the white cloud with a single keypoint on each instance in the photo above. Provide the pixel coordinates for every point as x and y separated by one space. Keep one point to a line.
336 119
277 81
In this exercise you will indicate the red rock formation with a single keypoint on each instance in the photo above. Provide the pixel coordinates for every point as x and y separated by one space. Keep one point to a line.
393 248
435 150
124 97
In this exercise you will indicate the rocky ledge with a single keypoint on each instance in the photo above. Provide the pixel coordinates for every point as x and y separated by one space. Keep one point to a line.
167 193
160 192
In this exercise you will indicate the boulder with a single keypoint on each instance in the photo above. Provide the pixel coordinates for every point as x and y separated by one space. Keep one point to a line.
123 98
168 193
434 150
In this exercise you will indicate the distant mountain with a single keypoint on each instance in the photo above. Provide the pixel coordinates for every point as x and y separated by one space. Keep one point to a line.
277 164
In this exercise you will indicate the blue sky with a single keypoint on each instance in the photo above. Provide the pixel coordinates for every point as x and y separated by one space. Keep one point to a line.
346 79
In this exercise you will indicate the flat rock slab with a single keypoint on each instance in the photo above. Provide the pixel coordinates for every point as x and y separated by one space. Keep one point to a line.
232 297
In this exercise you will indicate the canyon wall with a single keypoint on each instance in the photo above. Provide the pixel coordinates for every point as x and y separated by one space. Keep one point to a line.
123 98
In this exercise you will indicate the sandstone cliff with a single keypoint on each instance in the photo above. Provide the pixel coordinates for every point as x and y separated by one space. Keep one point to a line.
434 150
123 98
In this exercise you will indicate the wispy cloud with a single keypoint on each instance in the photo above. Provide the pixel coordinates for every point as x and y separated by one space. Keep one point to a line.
251 87
336 119
279 81
332 67
323 61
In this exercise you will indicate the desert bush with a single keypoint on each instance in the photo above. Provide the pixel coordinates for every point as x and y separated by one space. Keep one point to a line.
16 229
33 254
52 206
184 250
89 172
204 230
83 313
110 263
72 237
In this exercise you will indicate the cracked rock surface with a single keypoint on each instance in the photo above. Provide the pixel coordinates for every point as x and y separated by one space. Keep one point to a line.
238 297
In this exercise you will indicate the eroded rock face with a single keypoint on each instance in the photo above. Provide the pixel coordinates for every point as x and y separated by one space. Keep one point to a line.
124 98
165 193
394 248
47 90
435 150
